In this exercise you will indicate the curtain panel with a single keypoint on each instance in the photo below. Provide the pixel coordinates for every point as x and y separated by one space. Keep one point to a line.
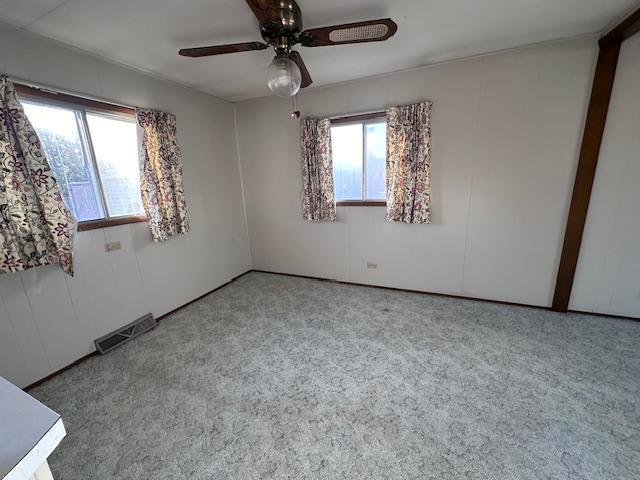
408 163
318 199
161 175
36 227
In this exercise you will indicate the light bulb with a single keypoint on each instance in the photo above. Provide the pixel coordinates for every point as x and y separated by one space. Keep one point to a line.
283 77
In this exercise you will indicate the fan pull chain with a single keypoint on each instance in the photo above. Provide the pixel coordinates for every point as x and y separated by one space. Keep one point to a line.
295 113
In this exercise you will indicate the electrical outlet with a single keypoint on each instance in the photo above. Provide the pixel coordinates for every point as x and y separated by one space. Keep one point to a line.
113 246
372 265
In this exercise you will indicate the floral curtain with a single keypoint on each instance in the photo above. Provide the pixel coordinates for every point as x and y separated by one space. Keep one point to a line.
408 163
161 175
36 227
318 200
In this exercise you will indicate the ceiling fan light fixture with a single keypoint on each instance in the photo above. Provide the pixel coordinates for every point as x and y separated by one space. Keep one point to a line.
283 77
280 23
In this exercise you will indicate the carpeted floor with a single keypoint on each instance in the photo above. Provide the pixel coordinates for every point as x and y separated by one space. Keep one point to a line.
287 378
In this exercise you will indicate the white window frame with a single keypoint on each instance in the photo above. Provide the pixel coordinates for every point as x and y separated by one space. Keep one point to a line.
364 120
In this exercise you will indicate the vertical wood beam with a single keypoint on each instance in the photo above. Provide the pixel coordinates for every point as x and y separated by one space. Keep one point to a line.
625 29
601 90
591 141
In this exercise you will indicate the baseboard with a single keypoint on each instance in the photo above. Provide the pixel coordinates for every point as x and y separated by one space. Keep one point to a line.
58 372
423 292
396 289
448 295
607 315
161 317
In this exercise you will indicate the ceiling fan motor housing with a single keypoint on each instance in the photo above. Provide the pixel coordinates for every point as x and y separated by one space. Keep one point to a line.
283 27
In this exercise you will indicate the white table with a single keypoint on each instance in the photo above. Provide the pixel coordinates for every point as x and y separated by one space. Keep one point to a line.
29 432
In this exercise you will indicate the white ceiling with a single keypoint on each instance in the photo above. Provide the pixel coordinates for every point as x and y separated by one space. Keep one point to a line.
147 34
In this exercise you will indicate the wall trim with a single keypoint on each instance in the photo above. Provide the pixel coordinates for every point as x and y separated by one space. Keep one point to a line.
58 372
406 290
393 289
448 295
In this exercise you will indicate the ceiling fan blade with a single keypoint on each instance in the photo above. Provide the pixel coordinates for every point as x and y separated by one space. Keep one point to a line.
358 32
260 9
306 78
222 49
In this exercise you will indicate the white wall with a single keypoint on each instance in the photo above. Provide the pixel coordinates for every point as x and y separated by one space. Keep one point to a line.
506 130
47 319
608 275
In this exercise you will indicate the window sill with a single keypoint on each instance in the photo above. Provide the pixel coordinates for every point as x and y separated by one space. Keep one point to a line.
361 203
111 222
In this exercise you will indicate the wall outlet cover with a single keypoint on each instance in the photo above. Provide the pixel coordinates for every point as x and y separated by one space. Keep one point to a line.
113 246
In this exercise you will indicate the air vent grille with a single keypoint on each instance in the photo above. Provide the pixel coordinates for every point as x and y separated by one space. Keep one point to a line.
111 340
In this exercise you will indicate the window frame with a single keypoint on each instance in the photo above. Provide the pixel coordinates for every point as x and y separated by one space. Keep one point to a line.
364 119
84 106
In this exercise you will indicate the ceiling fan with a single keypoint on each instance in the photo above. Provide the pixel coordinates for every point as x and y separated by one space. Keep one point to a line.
281 28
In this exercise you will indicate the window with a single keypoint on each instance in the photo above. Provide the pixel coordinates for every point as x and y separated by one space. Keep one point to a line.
94 154
117 162
359 158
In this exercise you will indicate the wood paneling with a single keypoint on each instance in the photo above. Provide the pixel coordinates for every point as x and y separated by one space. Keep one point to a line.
94 352
56 317
10 349
33 362
505 134
127 279
589 152
608 270
94 284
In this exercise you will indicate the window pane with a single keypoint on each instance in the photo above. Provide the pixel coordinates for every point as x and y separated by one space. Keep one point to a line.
376 142
115 144
346 146
59 132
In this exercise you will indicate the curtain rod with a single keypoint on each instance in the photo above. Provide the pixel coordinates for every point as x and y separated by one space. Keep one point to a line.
382 110
358 114
48 88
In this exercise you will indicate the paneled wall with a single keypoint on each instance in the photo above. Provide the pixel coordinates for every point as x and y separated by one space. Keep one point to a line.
47 319
506 130
608 275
